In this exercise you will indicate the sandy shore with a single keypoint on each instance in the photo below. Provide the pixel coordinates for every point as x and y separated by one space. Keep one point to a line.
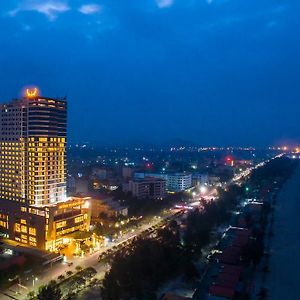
283 281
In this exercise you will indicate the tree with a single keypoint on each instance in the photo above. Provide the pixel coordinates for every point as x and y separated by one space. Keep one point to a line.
78 268
49 292
133 276
70 296
31 296
61 277
69 273
52 283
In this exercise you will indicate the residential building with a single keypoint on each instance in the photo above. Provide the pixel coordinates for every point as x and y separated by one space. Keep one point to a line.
179 182
82 185
100 173
199 179
34 208
107 206
175 182
148 187
204 179
127 172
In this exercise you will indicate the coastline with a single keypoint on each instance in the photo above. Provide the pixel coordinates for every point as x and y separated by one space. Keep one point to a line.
282 281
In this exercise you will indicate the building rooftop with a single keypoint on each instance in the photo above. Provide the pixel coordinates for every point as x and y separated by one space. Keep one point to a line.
147 178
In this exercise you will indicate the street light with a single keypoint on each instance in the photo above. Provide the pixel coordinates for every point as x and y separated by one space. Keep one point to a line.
203 189
34 279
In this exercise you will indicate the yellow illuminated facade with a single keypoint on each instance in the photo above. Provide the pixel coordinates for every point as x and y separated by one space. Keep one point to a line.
46 170
34 209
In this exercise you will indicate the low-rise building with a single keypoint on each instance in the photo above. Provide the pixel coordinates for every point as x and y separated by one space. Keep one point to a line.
108 207
175 182
127 172
178 182
100 173
148 187
107 184
204 179
199 179
82 185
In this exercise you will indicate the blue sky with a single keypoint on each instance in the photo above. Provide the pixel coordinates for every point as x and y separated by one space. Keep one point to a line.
216 72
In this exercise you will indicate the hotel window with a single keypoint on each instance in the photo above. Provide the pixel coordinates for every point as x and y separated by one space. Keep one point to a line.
79 219
61 224
32 231
17 227
3 224
32 239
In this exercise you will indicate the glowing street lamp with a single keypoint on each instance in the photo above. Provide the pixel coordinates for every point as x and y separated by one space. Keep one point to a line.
203 189
34 279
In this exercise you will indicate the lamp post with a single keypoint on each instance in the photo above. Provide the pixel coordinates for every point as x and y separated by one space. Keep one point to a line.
203 190
34 279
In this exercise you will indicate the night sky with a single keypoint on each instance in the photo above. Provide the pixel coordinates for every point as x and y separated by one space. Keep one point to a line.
215 72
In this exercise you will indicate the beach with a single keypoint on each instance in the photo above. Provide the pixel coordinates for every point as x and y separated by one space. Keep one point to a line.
283 280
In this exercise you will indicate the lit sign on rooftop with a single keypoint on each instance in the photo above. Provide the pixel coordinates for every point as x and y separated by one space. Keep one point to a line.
31 92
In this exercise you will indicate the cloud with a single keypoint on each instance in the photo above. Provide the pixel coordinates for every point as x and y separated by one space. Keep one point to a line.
217 1
48 8
164 3
89 9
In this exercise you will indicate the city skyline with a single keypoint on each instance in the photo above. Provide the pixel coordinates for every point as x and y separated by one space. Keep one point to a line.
149 149
126 81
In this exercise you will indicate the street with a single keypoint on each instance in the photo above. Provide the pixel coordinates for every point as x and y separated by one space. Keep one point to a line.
20 290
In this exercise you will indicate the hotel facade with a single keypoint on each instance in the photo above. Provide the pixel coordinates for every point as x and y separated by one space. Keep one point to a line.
34 208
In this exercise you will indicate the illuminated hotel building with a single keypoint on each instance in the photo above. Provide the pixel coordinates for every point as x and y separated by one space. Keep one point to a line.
34 208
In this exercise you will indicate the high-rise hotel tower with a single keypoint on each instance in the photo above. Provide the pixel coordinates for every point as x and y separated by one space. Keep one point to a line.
34 208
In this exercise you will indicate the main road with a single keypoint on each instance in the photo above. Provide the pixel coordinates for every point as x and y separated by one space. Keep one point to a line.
20 290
